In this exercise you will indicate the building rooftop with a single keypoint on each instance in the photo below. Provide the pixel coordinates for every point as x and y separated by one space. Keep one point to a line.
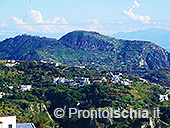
6 115
25 125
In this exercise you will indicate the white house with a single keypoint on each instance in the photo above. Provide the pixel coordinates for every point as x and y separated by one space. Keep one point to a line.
120 74
25 87
72 84
163 97
55 79
80 85
12 61
126 82
97 81
104 78
116 78
11 87
82 80
8 121
56 64
43 61
81 67
10 64
59 80
144 80
2 94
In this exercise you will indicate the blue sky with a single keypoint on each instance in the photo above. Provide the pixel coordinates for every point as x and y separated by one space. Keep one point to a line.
53 18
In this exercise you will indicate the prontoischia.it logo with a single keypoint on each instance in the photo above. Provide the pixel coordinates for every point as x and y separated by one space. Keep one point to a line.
110 113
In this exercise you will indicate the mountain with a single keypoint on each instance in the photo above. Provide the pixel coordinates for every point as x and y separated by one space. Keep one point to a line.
90 49
159 36
161 76
23 47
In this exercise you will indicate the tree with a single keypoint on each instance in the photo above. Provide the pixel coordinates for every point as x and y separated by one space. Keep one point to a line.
41 120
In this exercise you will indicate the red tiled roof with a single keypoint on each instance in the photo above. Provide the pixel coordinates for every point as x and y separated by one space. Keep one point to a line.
6 115
97 81
10 63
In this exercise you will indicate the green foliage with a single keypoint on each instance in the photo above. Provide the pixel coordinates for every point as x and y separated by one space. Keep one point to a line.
28 105
90 49
41 120
161 76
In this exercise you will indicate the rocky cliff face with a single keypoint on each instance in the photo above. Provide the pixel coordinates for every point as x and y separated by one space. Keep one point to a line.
155 56
146 54
89 41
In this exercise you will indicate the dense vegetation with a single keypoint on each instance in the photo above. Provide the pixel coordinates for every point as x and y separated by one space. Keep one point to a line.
35 105
161 76
100 55
90 49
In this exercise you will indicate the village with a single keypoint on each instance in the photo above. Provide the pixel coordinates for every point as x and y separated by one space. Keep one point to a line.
115 78
109 78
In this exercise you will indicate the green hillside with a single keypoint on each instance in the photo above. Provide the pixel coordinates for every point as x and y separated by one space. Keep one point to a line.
90 49
29 105
161 76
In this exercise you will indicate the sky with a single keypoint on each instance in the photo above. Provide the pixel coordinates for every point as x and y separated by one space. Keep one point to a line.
54 18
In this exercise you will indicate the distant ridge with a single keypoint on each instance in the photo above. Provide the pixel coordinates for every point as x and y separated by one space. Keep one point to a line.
159 36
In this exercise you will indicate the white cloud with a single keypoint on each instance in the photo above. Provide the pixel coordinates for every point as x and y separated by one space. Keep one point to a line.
136 17
111 22
93 24
33 17
17 21
158 23
120 22
33 23
115 22
12 21
57 20
133 6
136 4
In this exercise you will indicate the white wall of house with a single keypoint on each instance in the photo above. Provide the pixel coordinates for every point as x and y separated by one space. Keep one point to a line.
10 64
26 87
7 121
